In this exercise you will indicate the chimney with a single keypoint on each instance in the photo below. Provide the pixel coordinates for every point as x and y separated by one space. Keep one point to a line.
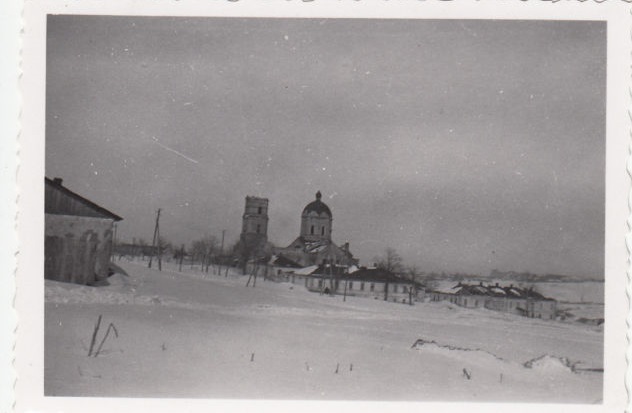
57 181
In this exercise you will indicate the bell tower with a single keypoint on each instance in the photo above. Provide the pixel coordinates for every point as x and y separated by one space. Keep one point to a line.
254 230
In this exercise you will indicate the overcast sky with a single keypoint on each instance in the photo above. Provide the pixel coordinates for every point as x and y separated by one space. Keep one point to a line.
464 145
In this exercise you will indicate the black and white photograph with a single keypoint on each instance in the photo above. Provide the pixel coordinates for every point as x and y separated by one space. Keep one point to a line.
324 208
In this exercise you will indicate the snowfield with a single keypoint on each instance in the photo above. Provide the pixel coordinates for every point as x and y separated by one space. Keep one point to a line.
198 335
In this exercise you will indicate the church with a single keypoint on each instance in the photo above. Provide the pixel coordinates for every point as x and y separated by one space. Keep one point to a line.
313 246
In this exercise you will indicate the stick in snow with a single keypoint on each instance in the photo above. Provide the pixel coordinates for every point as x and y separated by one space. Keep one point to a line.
351 367
94 335
337 366
467 374
107 332
252 357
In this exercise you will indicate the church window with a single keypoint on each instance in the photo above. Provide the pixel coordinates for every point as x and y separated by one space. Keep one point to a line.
312 230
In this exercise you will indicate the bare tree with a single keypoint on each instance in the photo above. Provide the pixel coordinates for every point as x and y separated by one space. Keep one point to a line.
391 261
412 272
142 244
202 250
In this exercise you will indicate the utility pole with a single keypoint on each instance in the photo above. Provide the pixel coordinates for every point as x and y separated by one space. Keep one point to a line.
181 257
156 242
221 255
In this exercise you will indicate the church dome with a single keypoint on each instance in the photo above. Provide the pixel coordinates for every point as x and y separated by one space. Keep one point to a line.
317 206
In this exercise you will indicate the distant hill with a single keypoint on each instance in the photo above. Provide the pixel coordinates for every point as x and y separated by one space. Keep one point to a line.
511 276
529 277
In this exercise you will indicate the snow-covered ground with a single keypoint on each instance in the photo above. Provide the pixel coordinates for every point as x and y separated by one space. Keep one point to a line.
194 335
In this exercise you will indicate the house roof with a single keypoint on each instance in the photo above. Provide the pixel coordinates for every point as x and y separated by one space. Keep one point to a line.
283 261
497 291
99 210
306 270
328 270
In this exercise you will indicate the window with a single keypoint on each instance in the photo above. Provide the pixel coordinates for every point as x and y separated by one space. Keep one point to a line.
465 303
258 228
475 303
320 283
372 287
405 290
311 231
394 288
322 231
351 285
259 210
362 286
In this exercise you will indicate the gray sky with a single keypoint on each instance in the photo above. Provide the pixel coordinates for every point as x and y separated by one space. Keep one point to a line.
464 145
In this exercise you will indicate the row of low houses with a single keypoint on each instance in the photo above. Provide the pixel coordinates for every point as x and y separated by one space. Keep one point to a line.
355 281
511 299
380 284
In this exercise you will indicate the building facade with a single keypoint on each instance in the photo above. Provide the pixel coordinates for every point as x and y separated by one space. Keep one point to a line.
78 236
521 301
373 283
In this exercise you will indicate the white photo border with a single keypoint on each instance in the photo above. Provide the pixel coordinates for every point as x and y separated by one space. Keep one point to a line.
29 302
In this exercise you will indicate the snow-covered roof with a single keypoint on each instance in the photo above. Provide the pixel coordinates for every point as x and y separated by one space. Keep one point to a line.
306 270
444 290
497 290
353 269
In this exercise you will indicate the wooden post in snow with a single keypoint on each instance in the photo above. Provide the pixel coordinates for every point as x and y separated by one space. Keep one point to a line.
254 282
221 253
181 258
156 241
